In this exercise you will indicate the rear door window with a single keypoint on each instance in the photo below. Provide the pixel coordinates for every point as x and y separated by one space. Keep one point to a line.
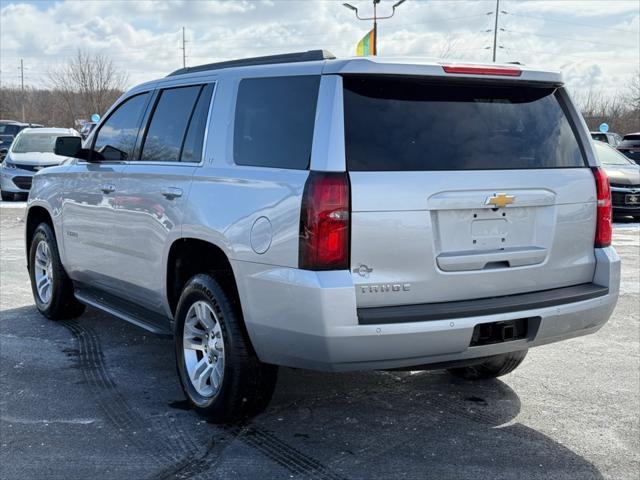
169 122
412 124
274 121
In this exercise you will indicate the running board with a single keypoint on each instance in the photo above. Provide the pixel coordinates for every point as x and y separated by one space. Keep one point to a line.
139 316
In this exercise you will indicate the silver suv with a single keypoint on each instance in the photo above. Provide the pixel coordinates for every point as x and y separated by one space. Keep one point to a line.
331 214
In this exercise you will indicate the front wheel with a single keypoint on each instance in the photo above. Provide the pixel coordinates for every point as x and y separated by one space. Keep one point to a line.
219 372
52 288
491 367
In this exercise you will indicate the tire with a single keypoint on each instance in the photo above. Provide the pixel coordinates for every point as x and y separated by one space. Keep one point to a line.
57 302
244 384
7 196
491 367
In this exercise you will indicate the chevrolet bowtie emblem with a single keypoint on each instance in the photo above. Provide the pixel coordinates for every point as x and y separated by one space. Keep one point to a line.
499 200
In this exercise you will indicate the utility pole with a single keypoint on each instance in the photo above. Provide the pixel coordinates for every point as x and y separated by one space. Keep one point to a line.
22 86
375 19
184 49
495 30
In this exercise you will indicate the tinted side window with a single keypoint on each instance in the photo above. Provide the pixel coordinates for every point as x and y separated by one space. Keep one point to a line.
412 124
192 149
169 122
117 136
274 121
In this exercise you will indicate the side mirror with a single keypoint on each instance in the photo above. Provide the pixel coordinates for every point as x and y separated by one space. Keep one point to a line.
70 147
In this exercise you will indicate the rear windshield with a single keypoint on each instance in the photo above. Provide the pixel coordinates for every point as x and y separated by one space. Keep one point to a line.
410 124
630 141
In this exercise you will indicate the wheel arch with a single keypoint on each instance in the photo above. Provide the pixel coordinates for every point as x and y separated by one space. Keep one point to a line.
36 215
188 256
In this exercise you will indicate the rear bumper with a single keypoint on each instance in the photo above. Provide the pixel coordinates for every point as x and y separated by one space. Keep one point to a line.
309 319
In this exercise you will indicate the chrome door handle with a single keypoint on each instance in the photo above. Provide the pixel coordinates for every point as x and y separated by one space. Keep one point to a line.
108 188
171 192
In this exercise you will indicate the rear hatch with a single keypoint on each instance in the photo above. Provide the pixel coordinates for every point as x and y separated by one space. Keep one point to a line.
464 190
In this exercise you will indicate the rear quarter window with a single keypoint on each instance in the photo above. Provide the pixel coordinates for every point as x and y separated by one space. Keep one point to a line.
413 124
274 121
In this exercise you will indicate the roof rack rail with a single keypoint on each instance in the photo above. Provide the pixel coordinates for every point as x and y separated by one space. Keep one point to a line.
308 56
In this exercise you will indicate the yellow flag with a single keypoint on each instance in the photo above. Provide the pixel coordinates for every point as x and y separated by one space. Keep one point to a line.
366 46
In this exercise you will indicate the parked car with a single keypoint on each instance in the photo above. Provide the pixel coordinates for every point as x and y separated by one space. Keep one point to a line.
630 146
13 127
31 151
612 139
624 177
5 143
331 214
86 129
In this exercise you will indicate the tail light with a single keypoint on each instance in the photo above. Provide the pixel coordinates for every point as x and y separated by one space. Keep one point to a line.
603 225
482 70
324 222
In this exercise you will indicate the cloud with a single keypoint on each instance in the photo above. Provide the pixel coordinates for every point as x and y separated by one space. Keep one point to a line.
594 42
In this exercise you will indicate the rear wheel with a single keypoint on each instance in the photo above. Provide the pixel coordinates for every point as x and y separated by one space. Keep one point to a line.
219 372
7 196
52 288
491 367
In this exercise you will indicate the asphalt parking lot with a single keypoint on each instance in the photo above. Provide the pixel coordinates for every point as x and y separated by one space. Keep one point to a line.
98 398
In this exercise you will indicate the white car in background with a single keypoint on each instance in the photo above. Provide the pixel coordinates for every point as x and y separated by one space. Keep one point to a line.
30 152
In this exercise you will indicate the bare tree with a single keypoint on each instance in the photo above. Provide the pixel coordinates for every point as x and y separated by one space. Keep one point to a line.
448 48
88 83
633 92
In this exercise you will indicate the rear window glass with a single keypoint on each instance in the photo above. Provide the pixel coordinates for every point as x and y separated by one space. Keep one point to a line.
600 137
410 124
274 121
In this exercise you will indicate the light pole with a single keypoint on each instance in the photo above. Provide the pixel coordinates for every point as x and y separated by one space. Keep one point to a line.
375 19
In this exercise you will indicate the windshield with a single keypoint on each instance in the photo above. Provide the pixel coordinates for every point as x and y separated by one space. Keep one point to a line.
9 129
599 136
610 156
35 142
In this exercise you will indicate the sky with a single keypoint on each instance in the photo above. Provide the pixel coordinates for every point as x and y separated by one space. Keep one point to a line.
594 43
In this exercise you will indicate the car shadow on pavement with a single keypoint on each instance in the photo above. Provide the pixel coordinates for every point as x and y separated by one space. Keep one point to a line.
358 425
